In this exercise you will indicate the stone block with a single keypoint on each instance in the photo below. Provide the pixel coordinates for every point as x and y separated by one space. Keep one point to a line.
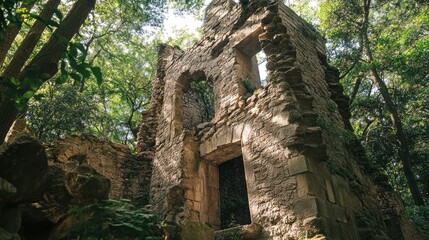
305 207
329 191
331 228
194 216
298 165
237 131
280 120
189 194
246 133
197 206
223 137
213 176
203 148
309 184
349 230
339 213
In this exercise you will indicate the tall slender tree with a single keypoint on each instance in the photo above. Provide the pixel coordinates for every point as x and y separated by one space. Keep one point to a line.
27 46
11 30
355 29
45 64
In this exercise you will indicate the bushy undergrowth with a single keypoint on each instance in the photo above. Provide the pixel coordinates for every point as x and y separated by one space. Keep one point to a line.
112 219
419 215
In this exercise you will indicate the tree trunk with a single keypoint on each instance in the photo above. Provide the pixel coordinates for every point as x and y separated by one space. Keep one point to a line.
29 43
46 60
404 152
11 32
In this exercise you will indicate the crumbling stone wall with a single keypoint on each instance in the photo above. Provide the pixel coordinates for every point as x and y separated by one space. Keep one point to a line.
301 164
114 161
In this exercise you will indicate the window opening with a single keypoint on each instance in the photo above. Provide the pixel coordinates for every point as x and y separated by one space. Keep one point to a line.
262 67
198 103
251 63
234 203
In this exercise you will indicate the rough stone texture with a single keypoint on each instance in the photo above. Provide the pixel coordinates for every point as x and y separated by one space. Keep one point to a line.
148 129
304 174
86 185
111 160
82 169
23 164
7 190
18 126
244 232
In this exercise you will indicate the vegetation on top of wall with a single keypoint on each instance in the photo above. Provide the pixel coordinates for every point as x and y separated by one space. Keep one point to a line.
249 89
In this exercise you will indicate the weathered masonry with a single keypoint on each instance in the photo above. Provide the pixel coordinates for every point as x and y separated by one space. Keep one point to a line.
226 149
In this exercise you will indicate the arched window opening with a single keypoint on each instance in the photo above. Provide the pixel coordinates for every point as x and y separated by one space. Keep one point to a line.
198 101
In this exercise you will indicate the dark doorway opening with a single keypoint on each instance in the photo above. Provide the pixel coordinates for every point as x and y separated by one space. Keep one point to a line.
234 204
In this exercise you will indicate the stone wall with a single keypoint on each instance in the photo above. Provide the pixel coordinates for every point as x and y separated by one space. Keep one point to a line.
114 161
301 163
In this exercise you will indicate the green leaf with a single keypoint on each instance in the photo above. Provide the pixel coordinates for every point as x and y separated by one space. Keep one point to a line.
38 97
63 66
35 84
14 81
73 63
81 47
98 75
20 105
81 68
28 94
62 78
73 51
75 76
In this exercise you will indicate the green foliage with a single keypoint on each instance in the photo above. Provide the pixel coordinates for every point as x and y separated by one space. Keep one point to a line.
112 219
397 32
232 223
325 122
107 100
248 87
419 215
204 94
196 231
8 13
21 91
62 111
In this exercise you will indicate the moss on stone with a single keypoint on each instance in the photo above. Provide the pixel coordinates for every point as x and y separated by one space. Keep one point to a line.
196 231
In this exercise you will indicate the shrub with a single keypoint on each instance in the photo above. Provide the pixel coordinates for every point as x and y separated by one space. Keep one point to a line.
112 219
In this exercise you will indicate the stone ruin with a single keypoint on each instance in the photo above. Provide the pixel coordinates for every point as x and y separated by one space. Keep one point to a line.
227 148
224 152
